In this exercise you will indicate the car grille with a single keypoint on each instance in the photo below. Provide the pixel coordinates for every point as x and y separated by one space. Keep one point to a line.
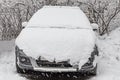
46 63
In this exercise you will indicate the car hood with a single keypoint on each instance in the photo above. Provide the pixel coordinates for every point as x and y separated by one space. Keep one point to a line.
57 44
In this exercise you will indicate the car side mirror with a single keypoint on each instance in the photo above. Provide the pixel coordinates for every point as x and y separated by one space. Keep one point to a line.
24 24
94 26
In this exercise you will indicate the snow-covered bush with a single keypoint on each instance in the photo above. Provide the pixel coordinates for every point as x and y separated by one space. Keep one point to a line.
103 12
12 15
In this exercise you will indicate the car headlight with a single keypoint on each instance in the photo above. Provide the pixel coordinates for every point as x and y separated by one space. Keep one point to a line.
24 58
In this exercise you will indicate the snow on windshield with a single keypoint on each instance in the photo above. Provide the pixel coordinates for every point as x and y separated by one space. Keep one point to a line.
67 17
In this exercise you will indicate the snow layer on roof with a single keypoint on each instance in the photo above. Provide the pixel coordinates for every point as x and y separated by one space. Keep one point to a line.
57 16
59 44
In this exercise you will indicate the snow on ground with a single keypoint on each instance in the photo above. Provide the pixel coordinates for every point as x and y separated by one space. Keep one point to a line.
7 64
109 64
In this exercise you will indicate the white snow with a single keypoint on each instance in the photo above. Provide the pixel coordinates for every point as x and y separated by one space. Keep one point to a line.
94 26
109 64
59 16
58 44
24 24
59 33
108 67
7 62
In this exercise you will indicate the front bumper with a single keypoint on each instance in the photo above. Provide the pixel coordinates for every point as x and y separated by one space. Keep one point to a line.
50 69
45 69
35 67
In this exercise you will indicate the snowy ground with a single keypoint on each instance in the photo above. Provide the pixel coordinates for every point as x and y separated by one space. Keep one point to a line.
109 64
7 65
108 67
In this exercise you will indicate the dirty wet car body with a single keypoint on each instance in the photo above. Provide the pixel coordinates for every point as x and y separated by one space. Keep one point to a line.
63 47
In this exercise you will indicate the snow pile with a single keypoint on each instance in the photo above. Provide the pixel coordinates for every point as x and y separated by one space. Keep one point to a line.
109 64
58 44
59 16
7 62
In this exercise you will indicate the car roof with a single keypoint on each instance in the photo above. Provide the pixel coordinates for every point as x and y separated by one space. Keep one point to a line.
59 16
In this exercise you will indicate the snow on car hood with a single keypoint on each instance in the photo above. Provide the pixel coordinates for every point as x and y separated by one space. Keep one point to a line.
59 44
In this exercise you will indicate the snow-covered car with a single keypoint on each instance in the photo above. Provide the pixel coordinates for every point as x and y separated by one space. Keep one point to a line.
57 39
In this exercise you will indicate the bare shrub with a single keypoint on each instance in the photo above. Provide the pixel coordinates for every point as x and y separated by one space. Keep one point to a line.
102 14
11 18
